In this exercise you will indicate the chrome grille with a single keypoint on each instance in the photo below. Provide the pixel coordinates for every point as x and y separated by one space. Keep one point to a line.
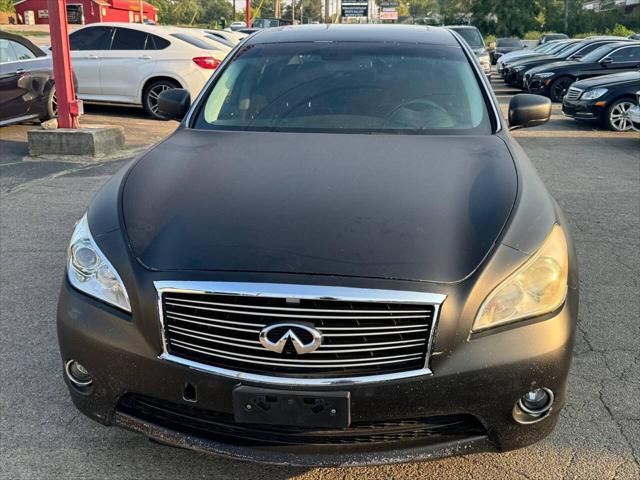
573 93
361 337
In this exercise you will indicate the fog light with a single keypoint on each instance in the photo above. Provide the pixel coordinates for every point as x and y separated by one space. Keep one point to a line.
533 406
535 400
78 374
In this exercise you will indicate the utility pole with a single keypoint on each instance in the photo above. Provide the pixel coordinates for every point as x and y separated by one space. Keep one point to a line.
248 13
141 12
277 9
233 6
68 106
293 11
566 16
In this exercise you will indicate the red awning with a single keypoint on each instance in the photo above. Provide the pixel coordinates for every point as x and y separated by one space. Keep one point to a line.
132 5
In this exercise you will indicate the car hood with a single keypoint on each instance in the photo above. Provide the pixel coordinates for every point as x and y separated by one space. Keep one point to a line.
411 207
508 49
532 59
610 80
566 65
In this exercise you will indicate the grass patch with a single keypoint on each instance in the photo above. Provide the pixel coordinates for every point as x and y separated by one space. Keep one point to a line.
29 33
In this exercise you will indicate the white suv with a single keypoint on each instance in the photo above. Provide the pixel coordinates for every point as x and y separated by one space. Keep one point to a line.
132 63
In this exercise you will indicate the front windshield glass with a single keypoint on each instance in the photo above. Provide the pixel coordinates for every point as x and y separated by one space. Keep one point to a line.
347 87
597 54
566 52
471 36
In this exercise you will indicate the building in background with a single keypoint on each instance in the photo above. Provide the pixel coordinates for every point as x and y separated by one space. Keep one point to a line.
81 12
604 5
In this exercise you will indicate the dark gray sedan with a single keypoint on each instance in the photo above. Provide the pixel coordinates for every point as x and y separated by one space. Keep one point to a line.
341 257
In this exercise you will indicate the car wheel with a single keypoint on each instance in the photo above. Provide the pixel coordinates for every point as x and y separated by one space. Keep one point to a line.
151 94
617 117
52 104
559 88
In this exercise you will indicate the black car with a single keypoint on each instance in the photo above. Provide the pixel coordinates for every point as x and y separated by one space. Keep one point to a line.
340 257
505 45
515 73
474 39
27 90
554 79
606 99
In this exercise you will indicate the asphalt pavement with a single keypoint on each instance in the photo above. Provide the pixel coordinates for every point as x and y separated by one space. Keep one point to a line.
593 174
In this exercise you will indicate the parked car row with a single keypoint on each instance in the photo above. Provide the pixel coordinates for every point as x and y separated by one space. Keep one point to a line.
595 78
119 63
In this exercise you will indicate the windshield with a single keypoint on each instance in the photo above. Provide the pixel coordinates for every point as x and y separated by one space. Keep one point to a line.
597 54
471 36
347 88
508 42
568 51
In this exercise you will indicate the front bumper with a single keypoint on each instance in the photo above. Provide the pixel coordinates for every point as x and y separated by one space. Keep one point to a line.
483 378
583 109
536 85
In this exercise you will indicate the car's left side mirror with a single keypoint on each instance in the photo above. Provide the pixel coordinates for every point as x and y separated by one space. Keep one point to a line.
526 110
606 61
174 103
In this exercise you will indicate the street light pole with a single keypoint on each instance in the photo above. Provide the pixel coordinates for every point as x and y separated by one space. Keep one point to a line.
68 107
248 13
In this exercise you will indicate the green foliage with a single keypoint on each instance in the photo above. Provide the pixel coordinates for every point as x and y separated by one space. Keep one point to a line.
311 10
532 35
6 6
489 39
621 31
192 12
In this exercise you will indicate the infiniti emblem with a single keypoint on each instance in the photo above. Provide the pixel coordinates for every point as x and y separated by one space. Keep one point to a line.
304 339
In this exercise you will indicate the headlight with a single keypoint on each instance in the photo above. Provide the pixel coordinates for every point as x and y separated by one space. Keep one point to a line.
90 272
544 74
593 94
536 288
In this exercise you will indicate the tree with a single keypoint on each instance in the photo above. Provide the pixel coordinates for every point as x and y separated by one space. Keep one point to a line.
506 18
311 11
6 6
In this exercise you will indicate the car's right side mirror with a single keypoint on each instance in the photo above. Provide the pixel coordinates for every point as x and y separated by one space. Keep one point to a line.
174 103
527 110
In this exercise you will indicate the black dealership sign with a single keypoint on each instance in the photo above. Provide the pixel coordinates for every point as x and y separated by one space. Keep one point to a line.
355 9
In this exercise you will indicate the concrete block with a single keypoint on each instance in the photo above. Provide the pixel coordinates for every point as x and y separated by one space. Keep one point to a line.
88 141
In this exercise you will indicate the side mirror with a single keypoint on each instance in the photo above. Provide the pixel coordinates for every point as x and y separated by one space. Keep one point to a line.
174 103
606 61
526 110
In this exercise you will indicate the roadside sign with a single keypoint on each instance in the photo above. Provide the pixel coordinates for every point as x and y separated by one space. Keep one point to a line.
389 14
355 8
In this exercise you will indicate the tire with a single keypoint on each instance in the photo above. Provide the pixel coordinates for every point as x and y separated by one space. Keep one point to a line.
150 96
616 118
559 87
51 105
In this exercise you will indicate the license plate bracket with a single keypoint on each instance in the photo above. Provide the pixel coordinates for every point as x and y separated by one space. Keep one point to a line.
291 408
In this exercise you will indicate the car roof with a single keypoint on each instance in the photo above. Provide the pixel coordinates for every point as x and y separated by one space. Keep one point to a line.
158 29
355 33
23 40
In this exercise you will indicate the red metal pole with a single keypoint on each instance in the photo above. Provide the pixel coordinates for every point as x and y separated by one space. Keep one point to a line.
68 108
248 13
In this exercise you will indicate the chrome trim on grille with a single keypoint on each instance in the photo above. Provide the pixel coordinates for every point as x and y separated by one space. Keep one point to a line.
310 292
573 93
